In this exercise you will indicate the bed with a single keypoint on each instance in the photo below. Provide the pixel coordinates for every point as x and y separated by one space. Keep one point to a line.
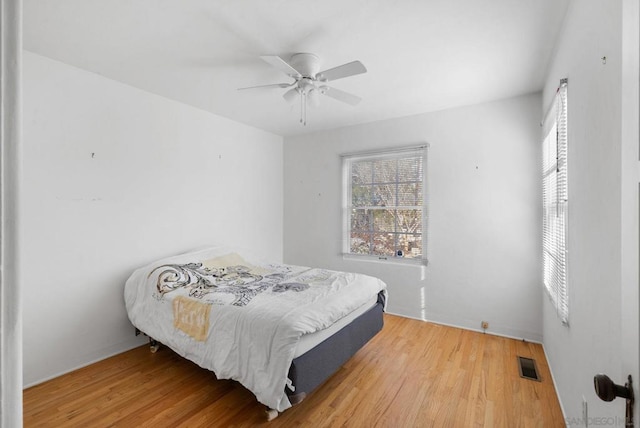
279 330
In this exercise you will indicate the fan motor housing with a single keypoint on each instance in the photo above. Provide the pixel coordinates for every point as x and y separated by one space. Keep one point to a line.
306 63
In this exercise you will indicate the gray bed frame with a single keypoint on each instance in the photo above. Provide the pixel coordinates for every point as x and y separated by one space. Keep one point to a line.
311 369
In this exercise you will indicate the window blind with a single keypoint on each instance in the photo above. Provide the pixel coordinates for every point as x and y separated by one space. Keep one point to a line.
385 204
555 198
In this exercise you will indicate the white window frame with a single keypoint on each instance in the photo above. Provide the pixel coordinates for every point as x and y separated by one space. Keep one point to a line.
555 195
347 161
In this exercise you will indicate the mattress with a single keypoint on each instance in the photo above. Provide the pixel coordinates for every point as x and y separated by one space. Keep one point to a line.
309 341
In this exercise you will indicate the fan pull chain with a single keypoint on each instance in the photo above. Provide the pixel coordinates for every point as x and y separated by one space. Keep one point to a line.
301 106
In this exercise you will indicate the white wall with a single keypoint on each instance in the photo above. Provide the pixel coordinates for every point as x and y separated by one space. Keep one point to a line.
484 213
592 342
114 178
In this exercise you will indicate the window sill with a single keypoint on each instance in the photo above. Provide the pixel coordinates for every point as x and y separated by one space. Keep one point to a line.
385 259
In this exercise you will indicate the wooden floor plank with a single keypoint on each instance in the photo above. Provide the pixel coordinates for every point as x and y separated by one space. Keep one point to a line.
413 373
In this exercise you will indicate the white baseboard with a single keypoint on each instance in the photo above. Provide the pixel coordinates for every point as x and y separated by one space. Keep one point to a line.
469 325
553 379
405 316
493 333
110 352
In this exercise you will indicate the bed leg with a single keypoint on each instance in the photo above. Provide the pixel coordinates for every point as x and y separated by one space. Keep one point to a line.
271 414
297 398
153 346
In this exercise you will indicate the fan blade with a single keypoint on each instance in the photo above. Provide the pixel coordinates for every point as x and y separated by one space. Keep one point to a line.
280 64
341 71
275 85
291 95
343 96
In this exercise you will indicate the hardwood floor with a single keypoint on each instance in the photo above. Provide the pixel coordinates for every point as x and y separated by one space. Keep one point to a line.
412 374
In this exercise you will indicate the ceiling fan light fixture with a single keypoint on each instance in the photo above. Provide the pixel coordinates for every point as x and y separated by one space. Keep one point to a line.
291 95
314 97
309 81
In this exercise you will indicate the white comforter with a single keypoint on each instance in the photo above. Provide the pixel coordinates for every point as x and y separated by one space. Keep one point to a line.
239 317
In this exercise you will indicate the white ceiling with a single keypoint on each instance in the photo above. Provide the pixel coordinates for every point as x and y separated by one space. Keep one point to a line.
421 55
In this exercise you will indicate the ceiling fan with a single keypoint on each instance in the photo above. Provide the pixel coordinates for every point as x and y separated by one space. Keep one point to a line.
310 83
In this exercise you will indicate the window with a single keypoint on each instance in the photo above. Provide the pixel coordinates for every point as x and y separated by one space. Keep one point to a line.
384 204
554 201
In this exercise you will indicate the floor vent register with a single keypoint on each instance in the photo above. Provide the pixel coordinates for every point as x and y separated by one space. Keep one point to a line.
528 369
